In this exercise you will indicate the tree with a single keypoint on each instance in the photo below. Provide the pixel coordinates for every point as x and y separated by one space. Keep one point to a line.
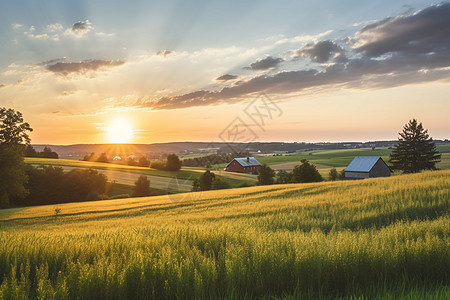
30 151
48 153
131 161
141 187
283 177
173 163
341 175
103 158
205 180
333 174
89 157
13 136
415 150
220 183
143 162
265 175
13 129
306 172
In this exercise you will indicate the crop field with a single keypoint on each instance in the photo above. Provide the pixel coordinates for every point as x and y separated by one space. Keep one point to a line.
180 181
339 159
385 238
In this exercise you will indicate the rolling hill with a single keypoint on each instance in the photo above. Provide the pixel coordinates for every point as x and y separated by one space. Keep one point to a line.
376 238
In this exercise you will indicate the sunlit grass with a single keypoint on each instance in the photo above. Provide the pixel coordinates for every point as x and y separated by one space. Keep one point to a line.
377 238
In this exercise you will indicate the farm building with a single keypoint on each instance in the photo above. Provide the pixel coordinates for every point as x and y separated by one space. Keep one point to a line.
367 167
243 165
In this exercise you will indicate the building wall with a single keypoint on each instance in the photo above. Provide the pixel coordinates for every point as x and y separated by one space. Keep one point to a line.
357 175
236 167
380 170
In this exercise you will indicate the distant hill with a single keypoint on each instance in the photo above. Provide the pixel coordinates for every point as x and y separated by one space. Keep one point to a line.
157 149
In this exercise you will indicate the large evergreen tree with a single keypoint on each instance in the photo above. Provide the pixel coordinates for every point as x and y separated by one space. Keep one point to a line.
415 150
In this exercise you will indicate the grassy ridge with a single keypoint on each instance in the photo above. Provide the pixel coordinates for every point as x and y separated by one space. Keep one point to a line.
384 237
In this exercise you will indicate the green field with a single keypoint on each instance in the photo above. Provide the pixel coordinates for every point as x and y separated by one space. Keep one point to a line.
339 159
385 238
180 181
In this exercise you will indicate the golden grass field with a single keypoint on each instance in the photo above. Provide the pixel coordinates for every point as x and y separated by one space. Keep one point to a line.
385 238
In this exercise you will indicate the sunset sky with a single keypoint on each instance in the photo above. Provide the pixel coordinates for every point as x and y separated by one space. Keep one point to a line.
161 71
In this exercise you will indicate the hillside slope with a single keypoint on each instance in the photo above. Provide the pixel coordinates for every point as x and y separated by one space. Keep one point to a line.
377 238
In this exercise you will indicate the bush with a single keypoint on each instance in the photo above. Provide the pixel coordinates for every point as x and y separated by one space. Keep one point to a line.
220 183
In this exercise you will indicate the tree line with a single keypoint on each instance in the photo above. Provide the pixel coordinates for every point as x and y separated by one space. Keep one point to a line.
45 153
171 163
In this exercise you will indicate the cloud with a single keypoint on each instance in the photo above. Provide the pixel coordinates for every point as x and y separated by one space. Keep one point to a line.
265 64
425 32
226 77
164 53
80 28
320 52
66 68
2 85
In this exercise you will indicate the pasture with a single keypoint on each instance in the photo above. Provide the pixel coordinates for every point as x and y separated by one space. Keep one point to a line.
179 181
371 239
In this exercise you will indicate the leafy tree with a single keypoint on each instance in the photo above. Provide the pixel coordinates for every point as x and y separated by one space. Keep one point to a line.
159 165
13 129
13 136
415 150
220 183
196 185
341 175
12 173
141 187
89 157
333 174
265 175
306 172
131 161
143 162
205 180
30 151
48 153
173 163
283 177
103 158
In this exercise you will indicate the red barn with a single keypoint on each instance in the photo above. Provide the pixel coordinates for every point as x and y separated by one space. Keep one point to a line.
243 165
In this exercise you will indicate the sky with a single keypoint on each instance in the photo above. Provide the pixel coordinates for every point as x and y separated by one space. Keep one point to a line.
230 71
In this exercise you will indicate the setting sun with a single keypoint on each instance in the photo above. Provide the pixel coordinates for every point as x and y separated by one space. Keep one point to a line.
120 131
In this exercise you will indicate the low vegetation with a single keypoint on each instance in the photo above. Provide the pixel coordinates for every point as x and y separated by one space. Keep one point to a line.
377 238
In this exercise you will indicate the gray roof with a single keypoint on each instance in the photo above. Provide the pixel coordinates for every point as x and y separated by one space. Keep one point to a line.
362 163
251 161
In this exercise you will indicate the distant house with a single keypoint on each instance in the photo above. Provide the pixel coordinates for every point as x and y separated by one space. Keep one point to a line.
367 167
243 165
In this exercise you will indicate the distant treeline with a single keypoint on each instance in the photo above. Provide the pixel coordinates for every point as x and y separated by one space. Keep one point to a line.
51 185
171 163
46 153
212 159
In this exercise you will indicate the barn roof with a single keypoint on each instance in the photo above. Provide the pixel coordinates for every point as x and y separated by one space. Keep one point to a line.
363 163
247 163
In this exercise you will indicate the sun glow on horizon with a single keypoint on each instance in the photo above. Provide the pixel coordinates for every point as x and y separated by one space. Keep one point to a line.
120 131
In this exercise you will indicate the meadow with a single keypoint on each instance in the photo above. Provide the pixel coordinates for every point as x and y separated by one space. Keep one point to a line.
384 238
179 181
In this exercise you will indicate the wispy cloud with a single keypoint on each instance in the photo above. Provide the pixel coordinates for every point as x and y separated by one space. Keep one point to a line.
226 77
265 64
80 28
83 67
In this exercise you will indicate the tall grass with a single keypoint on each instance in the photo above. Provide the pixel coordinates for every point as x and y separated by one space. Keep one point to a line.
380 238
